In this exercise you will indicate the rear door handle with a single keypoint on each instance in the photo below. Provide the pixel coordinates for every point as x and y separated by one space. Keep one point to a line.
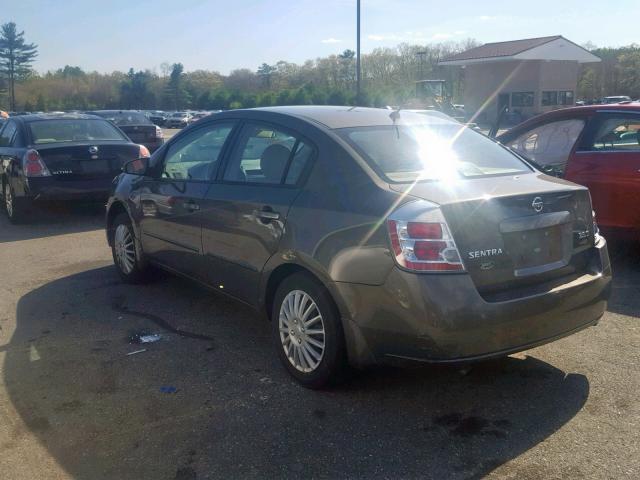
191 206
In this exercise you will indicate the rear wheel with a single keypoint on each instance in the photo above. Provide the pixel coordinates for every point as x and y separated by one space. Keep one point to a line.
307 331
126 255
15 208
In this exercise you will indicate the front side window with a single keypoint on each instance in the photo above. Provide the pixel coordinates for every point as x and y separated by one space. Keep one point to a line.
618 133
549 98
549 144
196 155
73 130
268 155
522 99
435 150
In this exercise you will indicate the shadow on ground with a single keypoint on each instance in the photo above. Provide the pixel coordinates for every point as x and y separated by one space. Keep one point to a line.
625 262
235 412
51 220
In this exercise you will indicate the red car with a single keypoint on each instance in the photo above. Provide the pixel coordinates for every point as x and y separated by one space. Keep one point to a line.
597 146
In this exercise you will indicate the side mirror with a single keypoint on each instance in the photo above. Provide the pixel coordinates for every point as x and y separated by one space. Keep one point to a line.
139 166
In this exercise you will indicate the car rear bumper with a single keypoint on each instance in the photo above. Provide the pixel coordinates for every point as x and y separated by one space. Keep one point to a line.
443 318
49 189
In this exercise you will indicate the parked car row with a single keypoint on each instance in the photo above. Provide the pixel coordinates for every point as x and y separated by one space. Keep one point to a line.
176 119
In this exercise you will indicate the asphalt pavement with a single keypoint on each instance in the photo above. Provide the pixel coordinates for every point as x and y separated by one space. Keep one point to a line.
210 400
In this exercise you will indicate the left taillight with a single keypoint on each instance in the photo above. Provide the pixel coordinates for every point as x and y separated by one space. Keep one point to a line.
144 152
421 240
33 166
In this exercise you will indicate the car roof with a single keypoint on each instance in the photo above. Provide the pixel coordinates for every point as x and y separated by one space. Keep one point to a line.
334 117
55 116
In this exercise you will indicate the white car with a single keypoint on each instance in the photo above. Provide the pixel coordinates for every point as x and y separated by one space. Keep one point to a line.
178 120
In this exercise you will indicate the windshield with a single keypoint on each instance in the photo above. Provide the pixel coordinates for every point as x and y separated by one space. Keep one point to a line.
76 130
432 151
126 118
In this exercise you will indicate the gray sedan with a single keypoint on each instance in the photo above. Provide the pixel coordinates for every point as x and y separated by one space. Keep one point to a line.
365 235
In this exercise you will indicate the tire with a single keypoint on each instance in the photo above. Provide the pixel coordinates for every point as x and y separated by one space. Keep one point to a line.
289 329
128 259
15 208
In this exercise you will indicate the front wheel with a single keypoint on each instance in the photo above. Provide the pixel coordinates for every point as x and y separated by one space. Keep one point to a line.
126 256
308 333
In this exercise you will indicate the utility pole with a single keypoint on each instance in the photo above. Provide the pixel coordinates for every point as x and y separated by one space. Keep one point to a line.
358 54
421 55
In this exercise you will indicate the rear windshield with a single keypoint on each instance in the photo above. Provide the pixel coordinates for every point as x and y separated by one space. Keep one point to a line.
432 151
126 118
76 130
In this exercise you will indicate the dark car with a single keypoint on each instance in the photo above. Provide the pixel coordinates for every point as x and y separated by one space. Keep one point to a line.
157 117
60 157
136 125
365 235
595 146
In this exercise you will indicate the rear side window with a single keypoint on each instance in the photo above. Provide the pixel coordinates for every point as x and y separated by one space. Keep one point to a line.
551 143
437 150
7 134
617 133
73 130
268 155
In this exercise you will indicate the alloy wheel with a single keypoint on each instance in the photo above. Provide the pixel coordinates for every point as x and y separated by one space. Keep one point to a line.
8 201
124 248
301 331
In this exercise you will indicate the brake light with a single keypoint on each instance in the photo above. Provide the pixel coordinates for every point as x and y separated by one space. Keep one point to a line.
159 133
144 152
421 240
33 166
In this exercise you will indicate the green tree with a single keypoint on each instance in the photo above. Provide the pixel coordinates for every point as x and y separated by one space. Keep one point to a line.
16 57
176 94
41 103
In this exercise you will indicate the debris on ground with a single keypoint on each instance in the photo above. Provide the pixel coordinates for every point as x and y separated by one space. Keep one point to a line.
136 351
168 389
145 337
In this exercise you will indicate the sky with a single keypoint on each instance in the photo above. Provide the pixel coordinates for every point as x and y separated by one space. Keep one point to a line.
221 35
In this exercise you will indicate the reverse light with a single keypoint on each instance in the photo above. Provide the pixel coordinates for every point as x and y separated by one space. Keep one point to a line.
596 230
144 152
421 239
159 133
33 166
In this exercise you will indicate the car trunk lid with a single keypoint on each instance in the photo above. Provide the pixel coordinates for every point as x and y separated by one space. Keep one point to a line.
514 231
71 161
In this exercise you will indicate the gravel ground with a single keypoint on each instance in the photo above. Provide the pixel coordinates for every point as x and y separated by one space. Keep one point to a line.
73 404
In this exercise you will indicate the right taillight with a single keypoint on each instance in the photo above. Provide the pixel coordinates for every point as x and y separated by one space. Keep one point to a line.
421 239
33 166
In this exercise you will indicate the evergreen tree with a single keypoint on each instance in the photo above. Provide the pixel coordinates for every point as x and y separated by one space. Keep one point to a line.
16 57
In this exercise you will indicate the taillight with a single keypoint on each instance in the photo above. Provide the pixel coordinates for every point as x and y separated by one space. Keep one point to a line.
33 166
159 133
144 152
421 240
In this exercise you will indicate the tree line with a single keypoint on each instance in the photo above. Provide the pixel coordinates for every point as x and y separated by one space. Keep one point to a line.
389 76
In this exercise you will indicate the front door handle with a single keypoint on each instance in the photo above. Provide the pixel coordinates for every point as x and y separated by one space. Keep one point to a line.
267 215
191 206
